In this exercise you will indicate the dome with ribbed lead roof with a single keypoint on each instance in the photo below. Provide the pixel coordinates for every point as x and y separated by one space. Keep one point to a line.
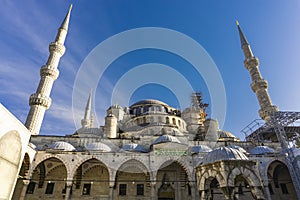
61 145
200 149
223 153
133 147
259 150
98 146
165 139
149 102
241 149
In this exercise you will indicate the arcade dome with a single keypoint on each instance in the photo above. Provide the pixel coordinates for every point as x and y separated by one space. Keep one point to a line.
60 145
133 147
165 139
259 150
200 149
98 146
224 153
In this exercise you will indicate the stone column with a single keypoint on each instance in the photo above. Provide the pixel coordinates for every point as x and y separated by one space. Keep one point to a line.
203 196
111 192
68 189
268 192
193 191
258 192
228 192
153 191
178 192
24 189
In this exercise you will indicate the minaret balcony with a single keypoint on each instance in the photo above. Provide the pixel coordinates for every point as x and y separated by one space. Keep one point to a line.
265 113
251 62
57 47
40 100
47 71
259 84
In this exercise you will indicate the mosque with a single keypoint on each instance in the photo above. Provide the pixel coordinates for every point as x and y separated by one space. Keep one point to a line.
148 150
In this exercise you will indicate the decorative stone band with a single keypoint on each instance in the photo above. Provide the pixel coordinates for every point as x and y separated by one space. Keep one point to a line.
170 152
47 71
259 84
40 100
265 113
57 47
251 62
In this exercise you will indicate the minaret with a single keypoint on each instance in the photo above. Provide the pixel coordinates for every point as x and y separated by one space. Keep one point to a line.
40 101
87 121
258 85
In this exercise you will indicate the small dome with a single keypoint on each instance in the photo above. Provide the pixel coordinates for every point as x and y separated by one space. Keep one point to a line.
226 134
166 138
115 106
60 145
98 146
223 153
200 149
259 150
133 147
241 149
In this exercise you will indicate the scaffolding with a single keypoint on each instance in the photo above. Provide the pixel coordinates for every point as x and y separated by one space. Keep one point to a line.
279 120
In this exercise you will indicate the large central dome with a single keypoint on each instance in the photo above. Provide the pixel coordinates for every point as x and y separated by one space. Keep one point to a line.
149 102
151 116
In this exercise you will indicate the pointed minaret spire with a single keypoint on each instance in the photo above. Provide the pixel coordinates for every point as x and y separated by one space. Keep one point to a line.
242 36
88 118
65 23
258 85
40 101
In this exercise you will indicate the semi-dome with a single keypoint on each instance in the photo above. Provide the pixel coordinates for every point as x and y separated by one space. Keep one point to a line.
241 149
200 149
60 145
259 150
133 147
149 102
224 153
98 146
165 139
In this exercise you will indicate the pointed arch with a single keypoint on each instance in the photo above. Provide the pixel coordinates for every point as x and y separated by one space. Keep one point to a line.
280 181
91 177
45 157
50 173
249 175
86 158
173 180
210 175
133 166
129 175
180 163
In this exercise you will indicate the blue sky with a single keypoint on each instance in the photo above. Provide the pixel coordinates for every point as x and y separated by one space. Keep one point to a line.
271 27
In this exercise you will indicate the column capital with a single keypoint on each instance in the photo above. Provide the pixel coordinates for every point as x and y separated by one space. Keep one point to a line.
25 182
69 183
